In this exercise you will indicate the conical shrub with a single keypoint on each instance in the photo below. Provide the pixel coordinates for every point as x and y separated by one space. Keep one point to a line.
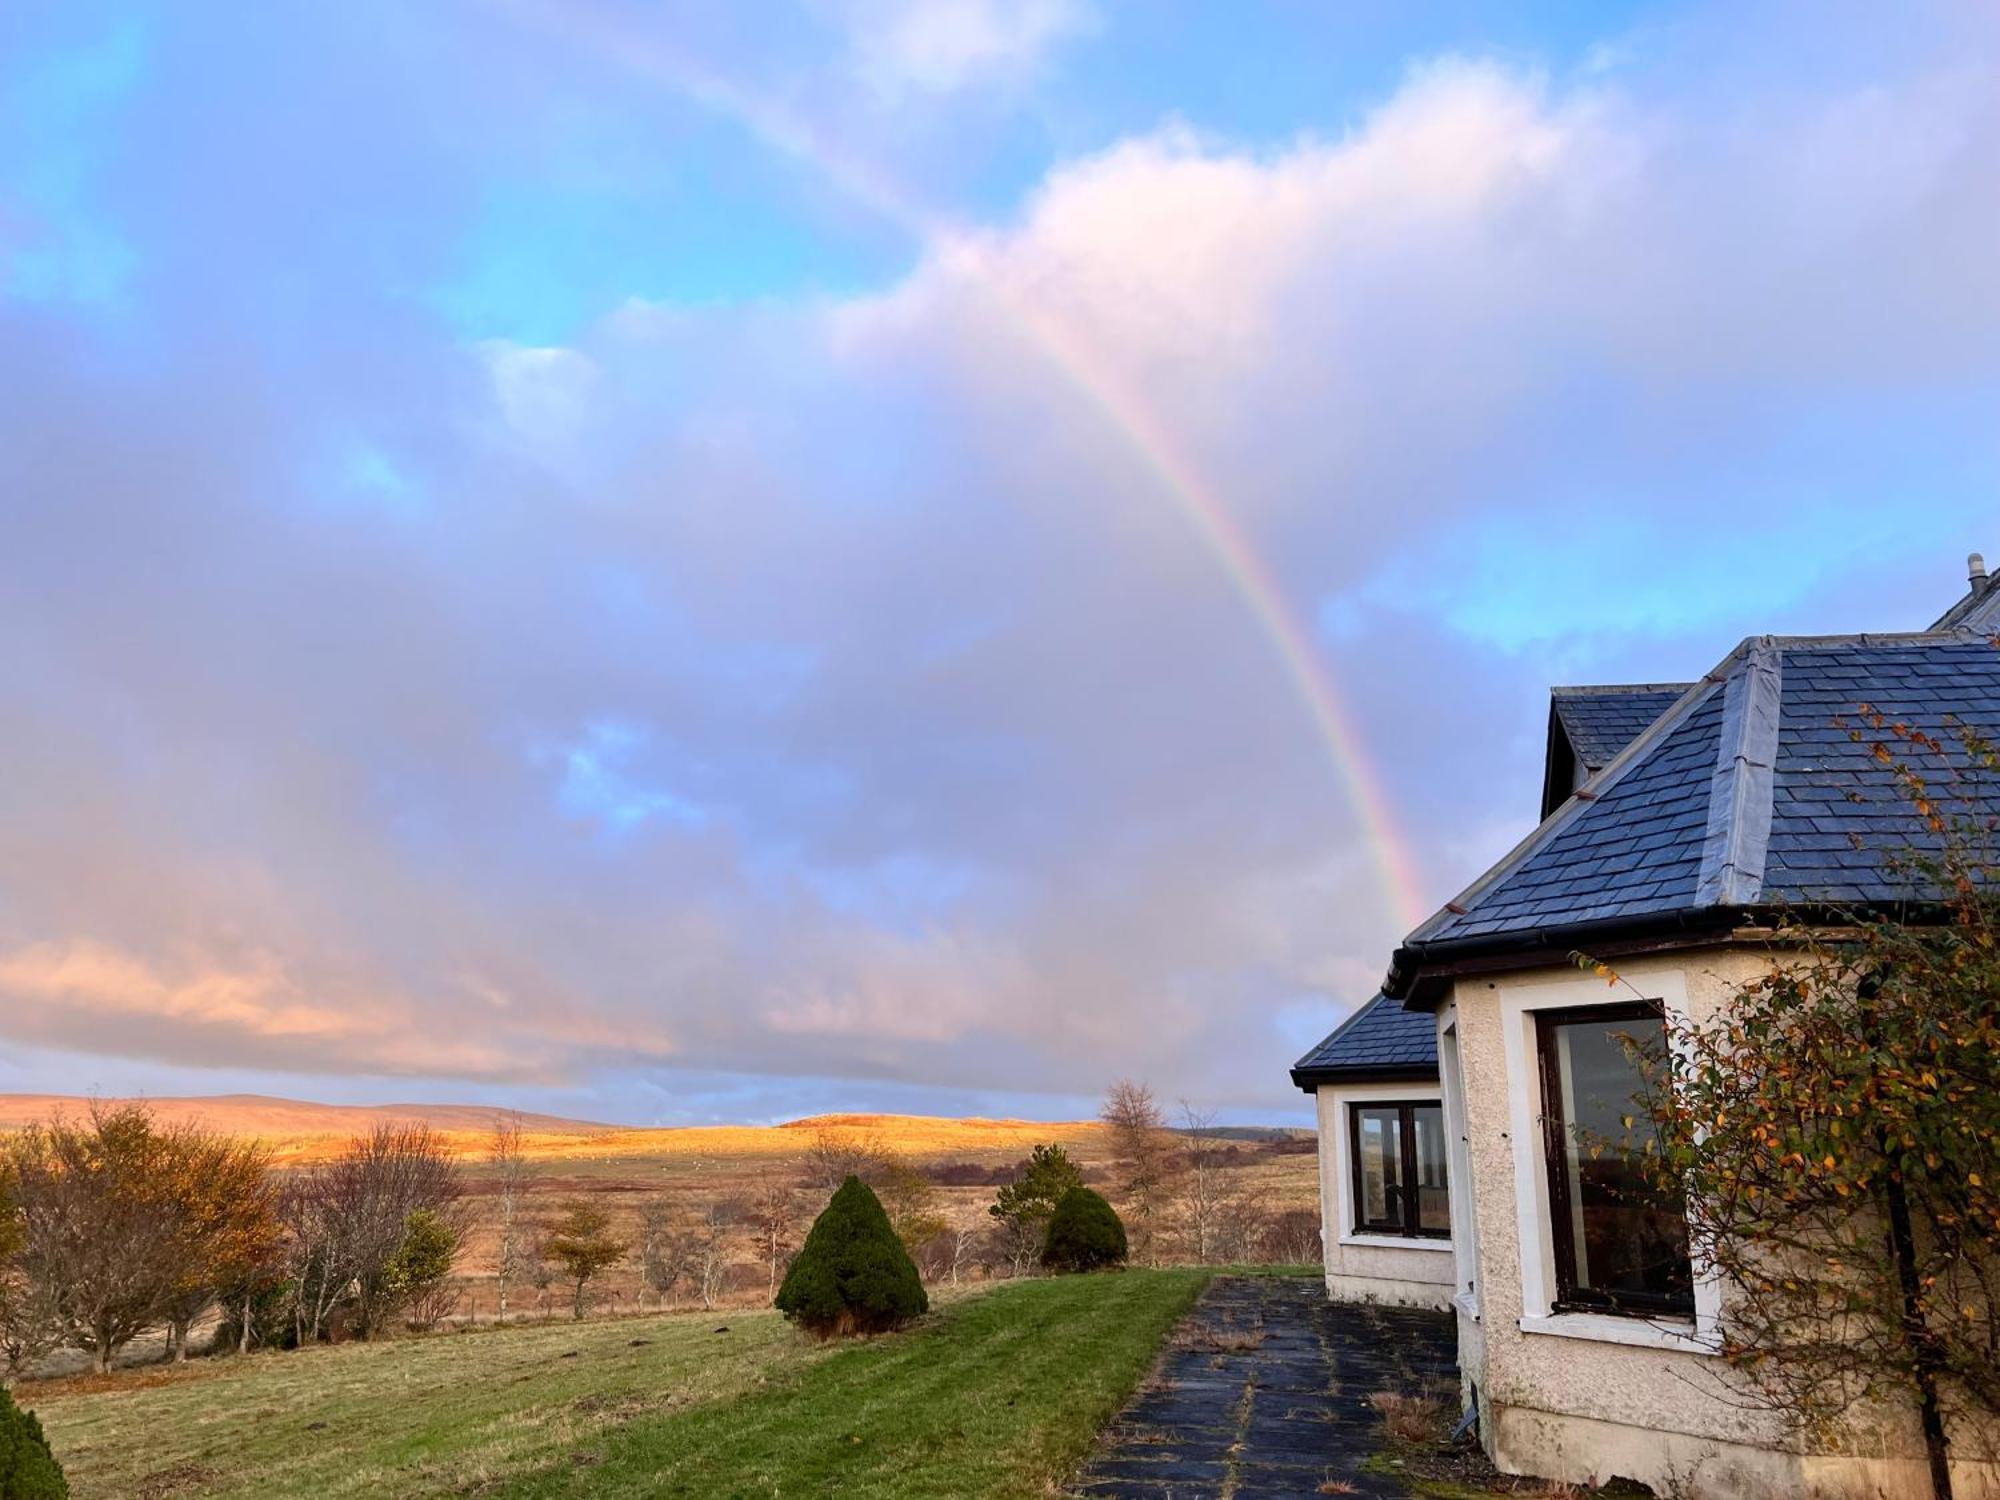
852 1275
28 1470
1085 1233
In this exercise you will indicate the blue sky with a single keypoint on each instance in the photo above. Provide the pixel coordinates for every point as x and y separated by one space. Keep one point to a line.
616 556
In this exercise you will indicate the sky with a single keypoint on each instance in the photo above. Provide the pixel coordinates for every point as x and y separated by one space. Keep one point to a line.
676 563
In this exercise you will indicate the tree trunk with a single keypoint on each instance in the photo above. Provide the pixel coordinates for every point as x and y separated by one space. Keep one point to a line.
243 1333
177 1335
579 1299
1917 1339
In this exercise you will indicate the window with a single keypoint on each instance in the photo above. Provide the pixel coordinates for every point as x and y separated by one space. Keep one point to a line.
1619 1246
1397 1152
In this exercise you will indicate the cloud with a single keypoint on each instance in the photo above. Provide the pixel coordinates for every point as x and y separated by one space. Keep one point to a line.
829 687
940 46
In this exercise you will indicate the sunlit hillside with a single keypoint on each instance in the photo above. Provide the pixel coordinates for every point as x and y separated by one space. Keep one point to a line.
299 1131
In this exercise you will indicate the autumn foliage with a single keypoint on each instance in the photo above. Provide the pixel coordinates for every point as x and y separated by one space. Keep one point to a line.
1836 1131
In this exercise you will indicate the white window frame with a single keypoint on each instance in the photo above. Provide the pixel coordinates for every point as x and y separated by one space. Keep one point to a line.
1334 1100
1519 1005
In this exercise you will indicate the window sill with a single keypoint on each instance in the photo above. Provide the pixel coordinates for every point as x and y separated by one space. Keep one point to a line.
1395 1242
1607 1328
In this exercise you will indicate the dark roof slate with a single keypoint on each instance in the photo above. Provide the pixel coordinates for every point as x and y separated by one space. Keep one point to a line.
1602 721
1637 849
1380 1039
1749 790
1830 793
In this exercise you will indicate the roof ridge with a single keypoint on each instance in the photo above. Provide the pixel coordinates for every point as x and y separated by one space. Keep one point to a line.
1738 834
1588 689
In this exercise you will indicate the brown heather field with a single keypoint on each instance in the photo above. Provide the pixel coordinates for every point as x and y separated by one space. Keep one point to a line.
693 1167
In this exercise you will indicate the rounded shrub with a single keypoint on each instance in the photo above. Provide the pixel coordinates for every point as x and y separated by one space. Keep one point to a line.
28 1470
1085 1233
852 1275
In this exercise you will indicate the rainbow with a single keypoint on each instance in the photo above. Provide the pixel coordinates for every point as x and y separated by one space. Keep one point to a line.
1123 407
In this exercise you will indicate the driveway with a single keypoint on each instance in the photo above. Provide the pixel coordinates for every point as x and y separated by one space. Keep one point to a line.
1263 1395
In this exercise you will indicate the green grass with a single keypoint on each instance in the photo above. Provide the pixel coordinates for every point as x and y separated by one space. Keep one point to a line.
995 1394
999 1396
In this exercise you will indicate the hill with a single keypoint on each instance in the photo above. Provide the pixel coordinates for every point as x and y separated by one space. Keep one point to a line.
300 1130
264 1117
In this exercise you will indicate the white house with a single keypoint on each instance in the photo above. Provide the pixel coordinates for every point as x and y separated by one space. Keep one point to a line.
1385 1204
1675 821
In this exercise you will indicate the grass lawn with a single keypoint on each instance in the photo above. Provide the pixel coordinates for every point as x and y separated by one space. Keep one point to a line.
1000 1396
994 1394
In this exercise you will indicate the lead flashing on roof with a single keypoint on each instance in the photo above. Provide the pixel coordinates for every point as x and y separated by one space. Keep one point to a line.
1739 799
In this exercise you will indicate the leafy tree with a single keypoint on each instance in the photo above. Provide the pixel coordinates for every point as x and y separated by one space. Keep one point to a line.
852 1275
580 1244
1023 1206
1085 1234
419 1271
104 1225
28 1470
29 1316
1836 1133
228 1229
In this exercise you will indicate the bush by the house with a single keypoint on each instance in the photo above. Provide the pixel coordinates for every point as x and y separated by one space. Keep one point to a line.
852 1275
1085 1233
28 1470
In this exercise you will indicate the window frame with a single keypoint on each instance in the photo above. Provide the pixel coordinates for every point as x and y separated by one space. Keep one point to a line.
1568 1296
1406 1129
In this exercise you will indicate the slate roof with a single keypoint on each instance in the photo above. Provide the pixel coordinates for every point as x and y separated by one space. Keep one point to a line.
1601 721
1380 1040
1746 792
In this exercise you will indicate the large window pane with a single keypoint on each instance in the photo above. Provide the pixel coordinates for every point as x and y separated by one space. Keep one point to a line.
1433 1202
1619 1244
1379 1162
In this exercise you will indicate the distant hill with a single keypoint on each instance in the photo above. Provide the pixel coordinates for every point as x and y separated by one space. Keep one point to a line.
298 1130
265 1117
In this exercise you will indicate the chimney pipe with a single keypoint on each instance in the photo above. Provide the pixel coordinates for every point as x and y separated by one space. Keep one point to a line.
1975 573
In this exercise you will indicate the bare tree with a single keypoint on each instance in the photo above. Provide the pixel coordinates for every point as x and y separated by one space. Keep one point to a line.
710 1262
774 1215
665 1247
375 1186
910 1199
961 1247
30 1325
315 1251
510 1170
834 1155
1145 1160
1210 1207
